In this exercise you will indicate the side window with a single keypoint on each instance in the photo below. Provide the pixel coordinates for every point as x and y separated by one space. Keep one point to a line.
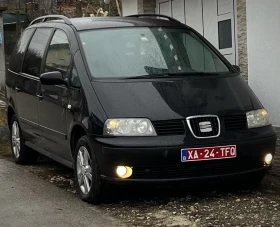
201 58
19 50
74 79
35 52
59 54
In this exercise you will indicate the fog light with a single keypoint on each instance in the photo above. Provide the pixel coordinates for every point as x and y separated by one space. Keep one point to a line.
124 171
268 159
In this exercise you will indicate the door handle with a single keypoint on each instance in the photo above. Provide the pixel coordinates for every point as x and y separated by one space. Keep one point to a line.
17 89
40 97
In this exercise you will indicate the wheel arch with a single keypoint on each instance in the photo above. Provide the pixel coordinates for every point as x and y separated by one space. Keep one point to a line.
10 113
77 132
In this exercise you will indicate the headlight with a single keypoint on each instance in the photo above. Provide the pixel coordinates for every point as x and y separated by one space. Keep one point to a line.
129 127
257 118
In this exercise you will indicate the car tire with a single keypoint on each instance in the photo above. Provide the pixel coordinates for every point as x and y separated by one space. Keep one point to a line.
87 173
22 154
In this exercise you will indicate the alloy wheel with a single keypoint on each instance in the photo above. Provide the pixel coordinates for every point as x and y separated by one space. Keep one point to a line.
84 170
16 139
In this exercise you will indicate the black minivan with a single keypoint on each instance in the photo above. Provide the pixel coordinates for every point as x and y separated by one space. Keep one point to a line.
134 100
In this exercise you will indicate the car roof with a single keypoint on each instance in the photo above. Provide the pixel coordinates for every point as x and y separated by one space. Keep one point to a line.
88 23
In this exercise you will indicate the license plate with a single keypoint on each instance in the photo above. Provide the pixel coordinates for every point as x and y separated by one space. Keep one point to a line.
208 153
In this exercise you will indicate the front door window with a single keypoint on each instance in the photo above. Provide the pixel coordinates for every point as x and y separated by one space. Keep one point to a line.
35 52
59 54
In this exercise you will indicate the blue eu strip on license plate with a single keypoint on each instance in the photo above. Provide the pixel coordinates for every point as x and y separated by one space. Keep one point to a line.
184 155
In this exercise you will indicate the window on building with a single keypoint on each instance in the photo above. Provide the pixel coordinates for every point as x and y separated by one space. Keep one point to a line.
225 34
35 52
59 54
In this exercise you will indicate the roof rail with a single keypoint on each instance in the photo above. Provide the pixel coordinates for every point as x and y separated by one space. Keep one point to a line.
45 18
155 15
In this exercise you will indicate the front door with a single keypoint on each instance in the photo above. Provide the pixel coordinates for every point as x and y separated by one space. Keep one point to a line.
226 29
26 98
54 99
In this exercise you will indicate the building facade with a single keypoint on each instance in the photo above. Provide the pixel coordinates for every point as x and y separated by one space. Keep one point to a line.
2 53
245 31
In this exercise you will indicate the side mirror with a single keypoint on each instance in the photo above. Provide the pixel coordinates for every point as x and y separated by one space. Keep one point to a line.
53 78
237 68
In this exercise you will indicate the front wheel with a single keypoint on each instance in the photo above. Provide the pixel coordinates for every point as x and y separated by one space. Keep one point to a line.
87 173
20 152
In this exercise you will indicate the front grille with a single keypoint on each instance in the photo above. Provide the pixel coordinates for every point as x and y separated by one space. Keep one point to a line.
169 127
204 126
235 122
198 169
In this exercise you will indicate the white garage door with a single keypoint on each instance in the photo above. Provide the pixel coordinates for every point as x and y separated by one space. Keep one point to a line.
214 19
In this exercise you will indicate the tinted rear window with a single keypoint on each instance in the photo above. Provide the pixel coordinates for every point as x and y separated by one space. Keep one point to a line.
18 53
34 55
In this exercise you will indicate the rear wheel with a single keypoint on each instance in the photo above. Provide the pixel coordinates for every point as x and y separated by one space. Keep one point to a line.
87 173
20 152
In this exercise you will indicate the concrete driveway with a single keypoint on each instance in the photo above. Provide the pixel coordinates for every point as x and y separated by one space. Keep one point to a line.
26 200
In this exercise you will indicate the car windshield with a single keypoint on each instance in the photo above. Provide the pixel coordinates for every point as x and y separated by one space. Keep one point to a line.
138 52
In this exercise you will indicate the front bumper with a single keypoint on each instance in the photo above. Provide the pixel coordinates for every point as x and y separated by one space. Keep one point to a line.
163 164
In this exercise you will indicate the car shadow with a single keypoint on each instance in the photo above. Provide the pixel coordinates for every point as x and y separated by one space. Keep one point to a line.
63 177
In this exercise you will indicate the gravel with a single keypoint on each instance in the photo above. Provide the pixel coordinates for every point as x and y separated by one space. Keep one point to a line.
205 205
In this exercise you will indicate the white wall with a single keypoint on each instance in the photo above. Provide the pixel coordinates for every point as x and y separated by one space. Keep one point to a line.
129 7
263 31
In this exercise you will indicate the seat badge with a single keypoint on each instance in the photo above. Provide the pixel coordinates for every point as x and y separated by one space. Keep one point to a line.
205 126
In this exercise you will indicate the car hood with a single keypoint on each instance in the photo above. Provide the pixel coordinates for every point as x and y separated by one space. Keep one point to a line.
175 98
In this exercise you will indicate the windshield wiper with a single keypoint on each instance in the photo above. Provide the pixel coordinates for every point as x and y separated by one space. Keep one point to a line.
193 73
148 76
166 75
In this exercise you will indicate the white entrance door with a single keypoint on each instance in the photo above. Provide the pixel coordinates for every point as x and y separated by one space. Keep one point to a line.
226 29
219 26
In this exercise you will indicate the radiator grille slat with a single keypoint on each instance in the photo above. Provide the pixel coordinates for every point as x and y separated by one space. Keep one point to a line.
169 127
177 127
235 122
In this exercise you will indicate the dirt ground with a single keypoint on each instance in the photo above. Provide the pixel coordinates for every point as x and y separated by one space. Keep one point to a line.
3 119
